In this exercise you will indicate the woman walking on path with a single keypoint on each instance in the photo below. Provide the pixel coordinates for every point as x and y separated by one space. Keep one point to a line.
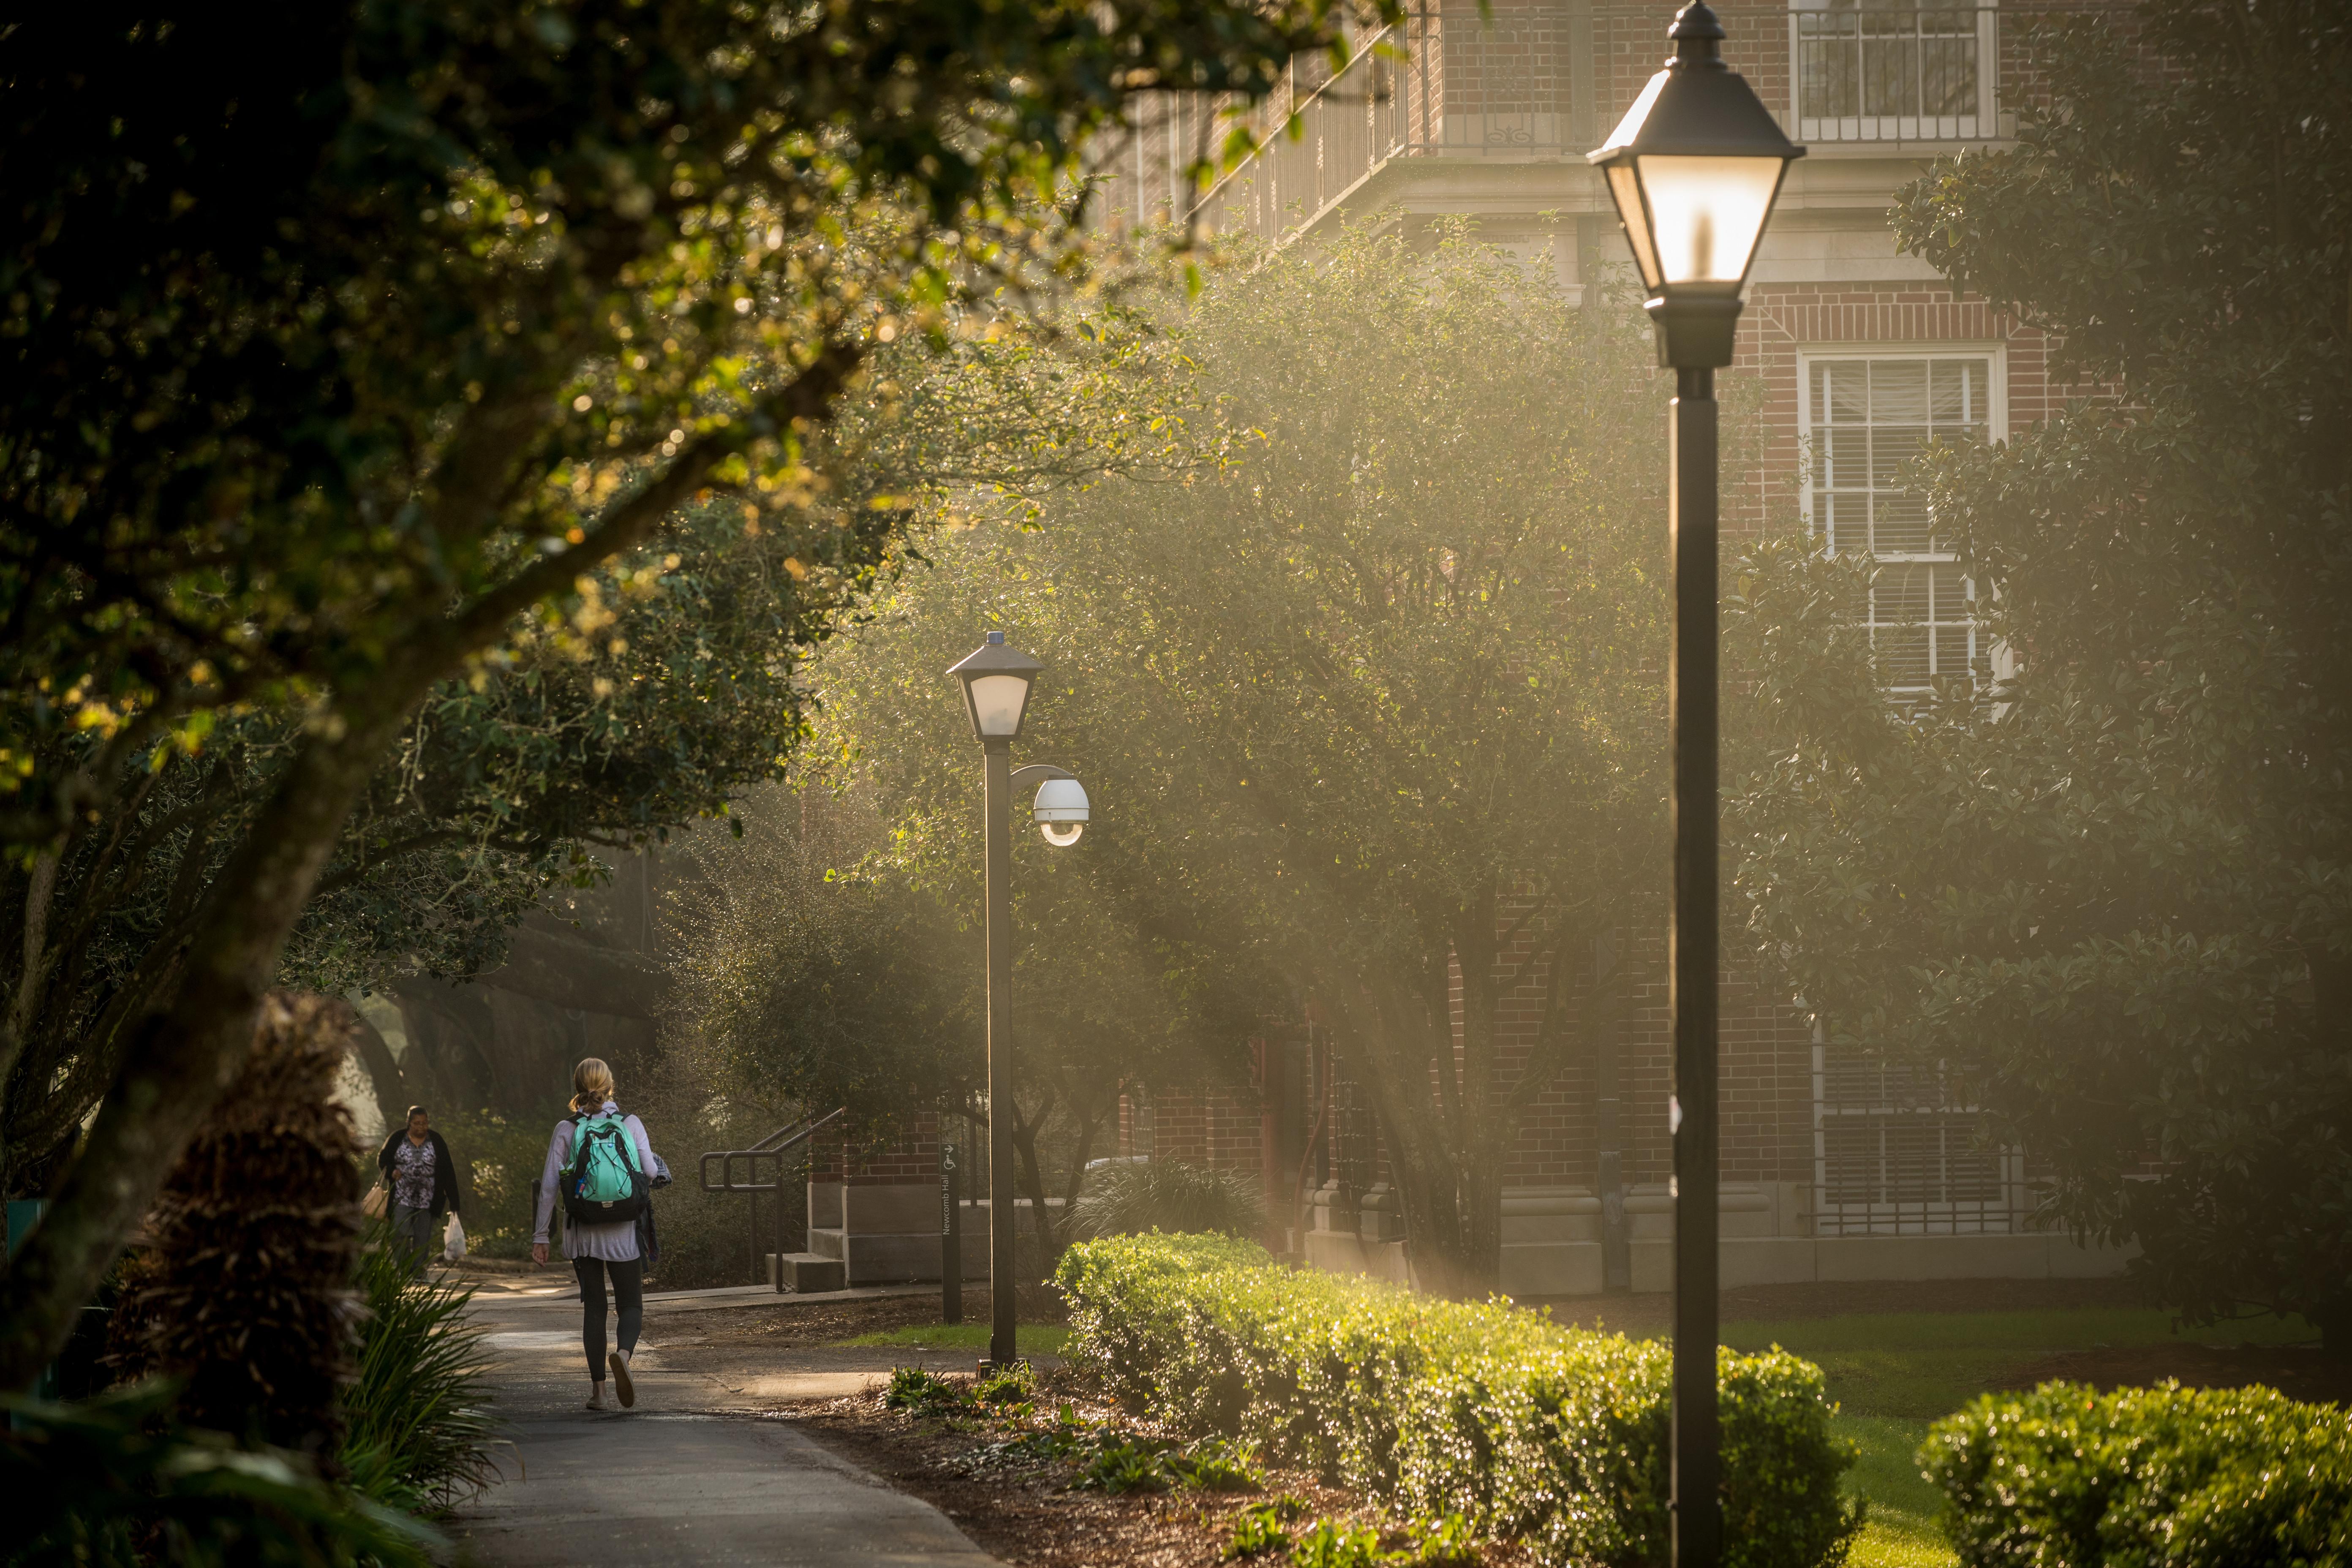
417 1166
598 1250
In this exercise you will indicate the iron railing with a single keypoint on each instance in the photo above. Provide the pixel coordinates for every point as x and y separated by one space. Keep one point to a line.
1445 82
1534 84
775 1148
1894 1154
1876 71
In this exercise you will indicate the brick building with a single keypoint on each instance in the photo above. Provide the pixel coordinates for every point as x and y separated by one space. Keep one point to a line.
1832 1168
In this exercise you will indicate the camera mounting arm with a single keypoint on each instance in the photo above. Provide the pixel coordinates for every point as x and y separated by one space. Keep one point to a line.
1038 773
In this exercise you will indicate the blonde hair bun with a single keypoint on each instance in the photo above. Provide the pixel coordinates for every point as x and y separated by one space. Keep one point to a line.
592 1083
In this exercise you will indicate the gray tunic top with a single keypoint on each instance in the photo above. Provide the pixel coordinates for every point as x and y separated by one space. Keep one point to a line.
616 1243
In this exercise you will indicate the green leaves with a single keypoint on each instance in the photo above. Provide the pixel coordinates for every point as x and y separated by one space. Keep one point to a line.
1367 655
420 1428
2199 1478
2112 896
1484 1419
103 1482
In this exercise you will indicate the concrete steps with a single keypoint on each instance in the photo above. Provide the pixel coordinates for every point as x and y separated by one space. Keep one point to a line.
804 1272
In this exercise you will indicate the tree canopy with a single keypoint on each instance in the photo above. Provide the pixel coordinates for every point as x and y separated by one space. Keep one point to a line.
1374 703
2113 896
341 368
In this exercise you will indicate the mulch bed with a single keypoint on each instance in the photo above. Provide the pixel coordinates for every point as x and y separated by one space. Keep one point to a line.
1030 1515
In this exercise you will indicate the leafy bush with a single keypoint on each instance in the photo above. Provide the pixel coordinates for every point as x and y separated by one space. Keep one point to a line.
1169 1196
105 1483
925 1393
2171 1475
419 1428
1125 1464
1448 1542
1007 1386
1258 1531
498 1157
1334 1545
1521 1426
1218 1465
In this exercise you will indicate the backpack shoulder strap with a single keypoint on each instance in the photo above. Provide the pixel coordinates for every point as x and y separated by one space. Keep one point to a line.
628 1145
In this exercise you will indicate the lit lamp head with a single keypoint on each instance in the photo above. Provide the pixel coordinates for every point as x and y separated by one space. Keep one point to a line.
1061 812
1693 168
996 681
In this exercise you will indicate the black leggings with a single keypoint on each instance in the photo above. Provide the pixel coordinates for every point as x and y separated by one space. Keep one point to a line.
628 1289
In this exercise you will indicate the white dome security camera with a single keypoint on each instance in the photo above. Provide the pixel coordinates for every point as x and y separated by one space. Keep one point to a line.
1061 812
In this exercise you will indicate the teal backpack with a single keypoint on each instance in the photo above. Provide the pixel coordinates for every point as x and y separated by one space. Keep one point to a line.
603 1185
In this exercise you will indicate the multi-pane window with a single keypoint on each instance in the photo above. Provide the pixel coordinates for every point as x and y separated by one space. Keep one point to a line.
1893 1155
1891 70
1864 420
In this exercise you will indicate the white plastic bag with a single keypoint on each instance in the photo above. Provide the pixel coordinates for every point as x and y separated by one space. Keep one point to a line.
452 1245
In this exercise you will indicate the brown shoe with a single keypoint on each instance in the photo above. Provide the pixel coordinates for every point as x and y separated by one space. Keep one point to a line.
621 1383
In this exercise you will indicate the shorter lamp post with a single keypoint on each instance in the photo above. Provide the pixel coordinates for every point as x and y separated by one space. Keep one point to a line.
1693 168
996 681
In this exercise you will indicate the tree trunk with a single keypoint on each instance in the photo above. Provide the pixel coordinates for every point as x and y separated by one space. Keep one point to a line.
190 1043
1024 1143
1406 1043
181 1055
367 1043
1483 1142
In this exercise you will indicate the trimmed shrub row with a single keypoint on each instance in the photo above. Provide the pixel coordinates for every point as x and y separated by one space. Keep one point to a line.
1525 1428
2146 1478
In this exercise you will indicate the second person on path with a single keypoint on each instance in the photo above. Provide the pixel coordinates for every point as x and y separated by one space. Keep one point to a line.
600 1163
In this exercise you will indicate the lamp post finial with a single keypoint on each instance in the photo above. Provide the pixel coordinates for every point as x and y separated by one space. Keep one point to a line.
1698 39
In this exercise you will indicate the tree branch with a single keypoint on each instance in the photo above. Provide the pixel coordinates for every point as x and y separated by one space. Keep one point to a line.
808 396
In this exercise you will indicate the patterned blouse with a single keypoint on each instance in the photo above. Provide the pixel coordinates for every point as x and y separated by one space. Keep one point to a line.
411 1174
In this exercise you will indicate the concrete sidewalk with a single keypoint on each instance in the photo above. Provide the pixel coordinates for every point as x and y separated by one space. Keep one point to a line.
679 1481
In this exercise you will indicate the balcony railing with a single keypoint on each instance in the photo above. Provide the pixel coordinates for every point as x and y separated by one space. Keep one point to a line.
1445 82
1528 83
1883 70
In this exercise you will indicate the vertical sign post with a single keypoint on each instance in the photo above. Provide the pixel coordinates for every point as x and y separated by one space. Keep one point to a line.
951 1236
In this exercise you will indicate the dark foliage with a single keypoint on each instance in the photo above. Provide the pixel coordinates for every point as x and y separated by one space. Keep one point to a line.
338 367
2111 899
1169 1196
417 1422
111 1484
245 1299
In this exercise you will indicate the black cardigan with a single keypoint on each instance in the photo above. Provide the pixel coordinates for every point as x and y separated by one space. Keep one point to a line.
446 1196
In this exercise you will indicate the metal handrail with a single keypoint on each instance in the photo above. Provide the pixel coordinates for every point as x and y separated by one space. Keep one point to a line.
774 1146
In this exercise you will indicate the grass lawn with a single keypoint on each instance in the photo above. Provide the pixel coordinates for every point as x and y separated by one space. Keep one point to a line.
1040 1339
1893 1374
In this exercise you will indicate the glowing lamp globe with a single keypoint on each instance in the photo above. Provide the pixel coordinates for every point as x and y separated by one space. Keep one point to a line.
1693 168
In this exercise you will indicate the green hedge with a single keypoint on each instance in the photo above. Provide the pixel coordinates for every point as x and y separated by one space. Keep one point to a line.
2146 1478
1524 1428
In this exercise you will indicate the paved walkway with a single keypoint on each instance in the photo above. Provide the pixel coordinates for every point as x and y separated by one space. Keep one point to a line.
689 1477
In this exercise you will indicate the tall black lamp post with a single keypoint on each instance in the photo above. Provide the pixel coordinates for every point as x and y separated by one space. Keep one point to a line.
996 681
1693 168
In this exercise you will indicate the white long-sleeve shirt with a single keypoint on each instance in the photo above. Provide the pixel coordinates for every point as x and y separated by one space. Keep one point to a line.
616 1243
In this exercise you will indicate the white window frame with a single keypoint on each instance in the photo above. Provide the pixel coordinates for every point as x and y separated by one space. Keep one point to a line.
1981 125
1996 421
